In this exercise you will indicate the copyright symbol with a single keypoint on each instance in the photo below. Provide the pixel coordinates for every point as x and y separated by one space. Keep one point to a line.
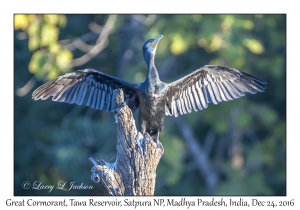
26 185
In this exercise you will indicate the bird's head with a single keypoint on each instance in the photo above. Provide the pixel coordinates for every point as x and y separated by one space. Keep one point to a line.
150 47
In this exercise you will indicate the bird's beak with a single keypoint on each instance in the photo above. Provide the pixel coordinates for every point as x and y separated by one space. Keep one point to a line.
155 42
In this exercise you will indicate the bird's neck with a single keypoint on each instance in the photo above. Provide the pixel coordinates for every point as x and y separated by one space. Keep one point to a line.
152 74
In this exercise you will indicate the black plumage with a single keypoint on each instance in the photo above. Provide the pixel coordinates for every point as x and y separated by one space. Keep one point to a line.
154 98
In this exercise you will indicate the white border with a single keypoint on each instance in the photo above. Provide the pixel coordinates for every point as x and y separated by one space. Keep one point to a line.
7 9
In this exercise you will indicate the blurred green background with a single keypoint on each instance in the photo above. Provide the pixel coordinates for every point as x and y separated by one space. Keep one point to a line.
242 142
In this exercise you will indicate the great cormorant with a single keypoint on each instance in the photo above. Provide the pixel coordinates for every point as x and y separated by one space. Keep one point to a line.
154 98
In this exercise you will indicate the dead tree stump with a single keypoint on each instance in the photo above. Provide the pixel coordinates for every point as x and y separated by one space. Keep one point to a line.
134 171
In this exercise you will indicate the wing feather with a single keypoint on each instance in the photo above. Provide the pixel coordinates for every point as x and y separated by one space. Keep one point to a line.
80 96
197 100
73 99
216 91
229 90
83 90
201 95
222 95
211 93
178 103
94 101
227 95
210 84
89 96
102 99
89 87
99 92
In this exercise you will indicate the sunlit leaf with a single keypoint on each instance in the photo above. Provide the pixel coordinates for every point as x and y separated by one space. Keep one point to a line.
253 45
227 22
34 29
54 48
178 45
62 21
40 74
32 17
21 22
49 34
53 73
63 59
33 43
248 24
33 66
215 44
34 36
51 19
37 61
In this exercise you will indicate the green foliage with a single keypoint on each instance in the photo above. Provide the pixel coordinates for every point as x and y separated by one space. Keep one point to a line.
173 158
54 140
178 45
243 120
220 125
253 45
49 58
241 183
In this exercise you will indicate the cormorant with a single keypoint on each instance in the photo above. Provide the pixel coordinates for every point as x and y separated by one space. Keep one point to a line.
154 98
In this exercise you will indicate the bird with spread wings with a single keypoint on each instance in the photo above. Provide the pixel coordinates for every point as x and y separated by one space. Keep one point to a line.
154 98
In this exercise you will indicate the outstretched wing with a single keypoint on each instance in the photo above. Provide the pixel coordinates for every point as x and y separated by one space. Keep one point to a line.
209 84
87 87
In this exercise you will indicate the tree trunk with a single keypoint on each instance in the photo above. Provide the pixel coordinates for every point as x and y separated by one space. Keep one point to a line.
134 171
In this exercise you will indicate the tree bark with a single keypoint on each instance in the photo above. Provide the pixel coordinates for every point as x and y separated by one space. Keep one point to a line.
134 171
